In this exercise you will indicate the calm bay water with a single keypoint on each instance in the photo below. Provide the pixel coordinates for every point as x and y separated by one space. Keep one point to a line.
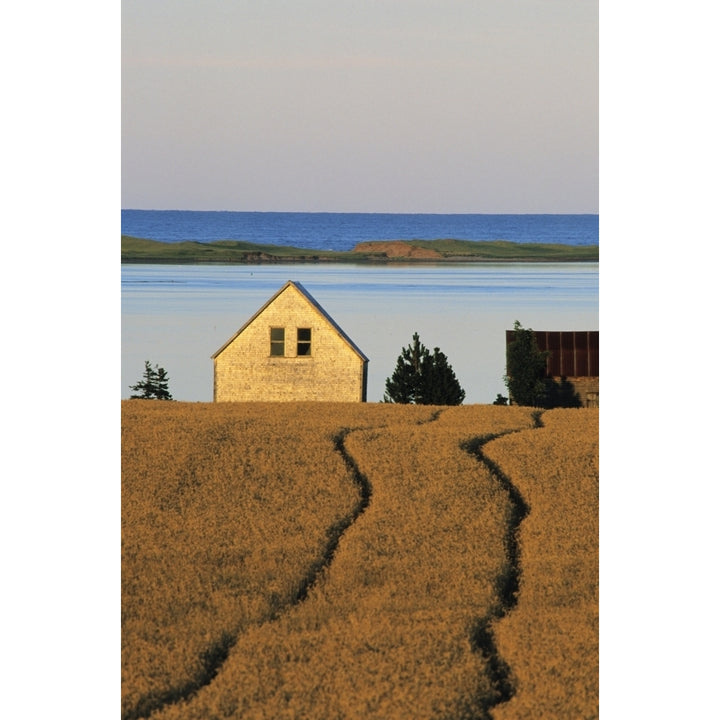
178 315
342 231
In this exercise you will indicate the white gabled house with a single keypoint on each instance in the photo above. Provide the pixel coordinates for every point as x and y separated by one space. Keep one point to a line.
290 349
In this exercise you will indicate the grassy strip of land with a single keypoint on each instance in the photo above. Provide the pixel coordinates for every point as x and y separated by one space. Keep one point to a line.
139 250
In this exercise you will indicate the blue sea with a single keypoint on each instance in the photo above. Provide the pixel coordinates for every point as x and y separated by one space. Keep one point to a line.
342 231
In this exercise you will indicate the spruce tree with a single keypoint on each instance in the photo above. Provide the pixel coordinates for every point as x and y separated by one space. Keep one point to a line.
154 384
423 379
525 369
146 386
161 385
526 375
440 386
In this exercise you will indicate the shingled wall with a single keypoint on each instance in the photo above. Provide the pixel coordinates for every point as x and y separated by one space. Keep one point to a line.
244 369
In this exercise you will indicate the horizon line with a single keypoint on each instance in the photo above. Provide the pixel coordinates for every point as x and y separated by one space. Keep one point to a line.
354 212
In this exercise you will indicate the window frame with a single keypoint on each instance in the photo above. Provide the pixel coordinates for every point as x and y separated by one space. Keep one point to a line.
277 345
305 343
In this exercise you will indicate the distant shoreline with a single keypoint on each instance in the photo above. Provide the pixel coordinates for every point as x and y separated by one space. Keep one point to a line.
139 250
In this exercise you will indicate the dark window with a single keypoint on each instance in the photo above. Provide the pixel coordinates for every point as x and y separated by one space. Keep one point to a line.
304 338
277 342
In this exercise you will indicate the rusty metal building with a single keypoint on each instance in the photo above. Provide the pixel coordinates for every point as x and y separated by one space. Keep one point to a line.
574 355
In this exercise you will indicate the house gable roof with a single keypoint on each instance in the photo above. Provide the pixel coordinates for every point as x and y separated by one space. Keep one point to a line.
313 303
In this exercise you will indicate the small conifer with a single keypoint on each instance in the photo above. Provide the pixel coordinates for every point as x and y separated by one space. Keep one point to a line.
526 377
154 384
423 379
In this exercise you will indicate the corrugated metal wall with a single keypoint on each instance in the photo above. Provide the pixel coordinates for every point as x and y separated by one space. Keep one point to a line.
573 353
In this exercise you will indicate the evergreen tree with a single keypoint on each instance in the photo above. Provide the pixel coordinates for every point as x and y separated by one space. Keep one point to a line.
525 369
404 385
161 385
146 386
154 384
423 379
440 386
527 380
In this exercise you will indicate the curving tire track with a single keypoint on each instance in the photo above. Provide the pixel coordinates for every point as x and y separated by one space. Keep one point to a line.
508 581
481 636
215 656
336 531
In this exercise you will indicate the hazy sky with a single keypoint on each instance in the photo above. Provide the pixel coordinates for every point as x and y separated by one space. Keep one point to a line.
367 106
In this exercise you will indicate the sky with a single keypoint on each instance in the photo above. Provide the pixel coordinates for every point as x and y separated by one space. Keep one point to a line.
441 106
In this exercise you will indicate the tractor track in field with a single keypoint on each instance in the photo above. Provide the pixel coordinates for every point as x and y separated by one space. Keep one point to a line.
481 638
508 581
215 656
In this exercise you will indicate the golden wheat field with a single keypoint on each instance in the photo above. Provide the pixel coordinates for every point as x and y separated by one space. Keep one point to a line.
327 561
